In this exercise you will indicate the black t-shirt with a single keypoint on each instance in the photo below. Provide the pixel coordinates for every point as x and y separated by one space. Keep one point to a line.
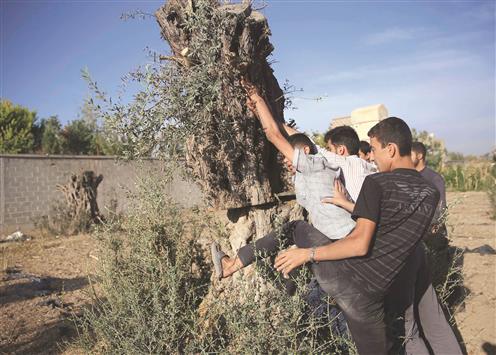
402 204
438 181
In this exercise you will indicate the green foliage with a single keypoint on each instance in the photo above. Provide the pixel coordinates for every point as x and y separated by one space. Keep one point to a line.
151 296
259 319
52 140
20 132
148 292
446 264
37 130
16 126
492 200
455 156
176 101
479 176
107 143
78 138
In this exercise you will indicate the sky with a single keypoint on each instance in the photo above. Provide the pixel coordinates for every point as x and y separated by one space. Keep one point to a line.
431 63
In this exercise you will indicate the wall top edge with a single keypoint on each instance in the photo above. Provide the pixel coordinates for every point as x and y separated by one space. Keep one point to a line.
47 156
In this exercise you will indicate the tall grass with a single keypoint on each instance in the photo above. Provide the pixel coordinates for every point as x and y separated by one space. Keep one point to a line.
480 176
473 176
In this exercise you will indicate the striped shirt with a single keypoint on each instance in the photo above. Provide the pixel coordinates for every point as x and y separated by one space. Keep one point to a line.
402 204
354 170
313 181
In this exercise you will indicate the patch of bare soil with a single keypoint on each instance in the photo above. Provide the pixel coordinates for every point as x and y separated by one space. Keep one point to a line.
44 281
472 228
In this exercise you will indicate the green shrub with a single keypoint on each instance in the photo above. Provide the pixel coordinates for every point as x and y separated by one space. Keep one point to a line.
147 291
261 319
153 292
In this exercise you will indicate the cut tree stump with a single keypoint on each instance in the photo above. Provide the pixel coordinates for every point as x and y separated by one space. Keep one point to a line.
81 201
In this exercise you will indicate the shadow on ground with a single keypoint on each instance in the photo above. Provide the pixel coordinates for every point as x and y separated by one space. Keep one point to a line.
51 338
22 287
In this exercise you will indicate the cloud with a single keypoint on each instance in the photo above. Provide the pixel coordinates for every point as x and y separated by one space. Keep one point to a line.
392 35
458 109
436 61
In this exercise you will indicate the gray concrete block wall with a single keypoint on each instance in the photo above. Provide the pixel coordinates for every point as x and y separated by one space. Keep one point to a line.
28 185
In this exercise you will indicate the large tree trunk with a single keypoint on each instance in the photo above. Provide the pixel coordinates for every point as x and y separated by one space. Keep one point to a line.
245 171
242 176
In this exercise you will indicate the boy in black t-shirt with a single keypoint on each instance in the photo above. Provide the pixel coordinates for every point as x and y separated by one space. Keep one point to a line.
393 211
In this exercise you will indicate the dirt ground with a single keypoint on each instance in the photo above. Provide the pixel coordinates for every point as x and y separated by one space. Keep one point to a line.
472 228
43 281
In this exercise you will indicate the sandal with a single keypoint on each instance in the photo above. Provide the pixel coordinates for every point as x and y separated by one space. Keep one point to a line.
217 255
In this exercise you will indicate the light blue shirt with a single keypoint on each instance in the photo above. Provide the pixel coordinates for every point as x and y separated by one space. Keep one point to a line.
314 180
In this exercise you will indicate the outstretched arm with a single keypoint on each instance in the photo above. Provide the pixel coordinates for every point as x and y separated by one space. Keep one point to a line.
269 125
357 243
289 130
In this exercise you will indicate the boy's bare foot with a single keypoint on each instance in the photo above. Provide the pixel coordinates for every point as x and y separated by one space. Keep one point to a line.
224 266
230 266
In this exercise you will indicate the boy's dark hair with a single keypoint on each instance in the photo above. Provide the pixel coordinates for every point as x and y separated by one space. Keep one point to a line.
344 135
365 147
419 147
299 140
393 130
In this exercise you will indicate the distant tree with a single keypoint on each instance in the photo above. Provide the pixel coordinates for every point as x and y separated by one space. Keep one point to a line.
16 125
78 138
89 114
105 140
318 138
52 141
108 143
37 130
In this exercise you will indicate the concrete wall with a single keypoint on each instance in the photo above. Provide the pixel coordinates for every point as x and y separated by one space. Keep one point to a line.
28 184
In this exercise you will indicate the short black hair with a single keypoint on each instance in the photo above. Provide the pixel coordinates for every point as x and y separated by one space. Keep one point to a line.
365 147
393 130
344 135
419 147
299 140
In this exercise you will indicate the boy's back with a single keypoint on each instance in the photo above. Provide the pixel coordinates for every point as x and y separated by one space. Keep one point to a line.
402 204
314 179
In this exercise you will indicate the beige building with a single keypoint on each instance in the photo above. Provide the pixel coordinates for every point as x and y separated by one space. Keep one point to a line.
362 119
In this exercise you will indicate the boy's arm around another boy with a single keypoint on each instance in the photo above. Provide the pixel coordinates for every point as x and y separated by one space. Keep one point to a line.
355 244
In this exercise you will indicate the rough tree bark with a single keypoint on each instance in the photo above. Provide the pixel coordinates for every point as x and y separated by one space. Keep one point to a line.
244 182
249 172
81 201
